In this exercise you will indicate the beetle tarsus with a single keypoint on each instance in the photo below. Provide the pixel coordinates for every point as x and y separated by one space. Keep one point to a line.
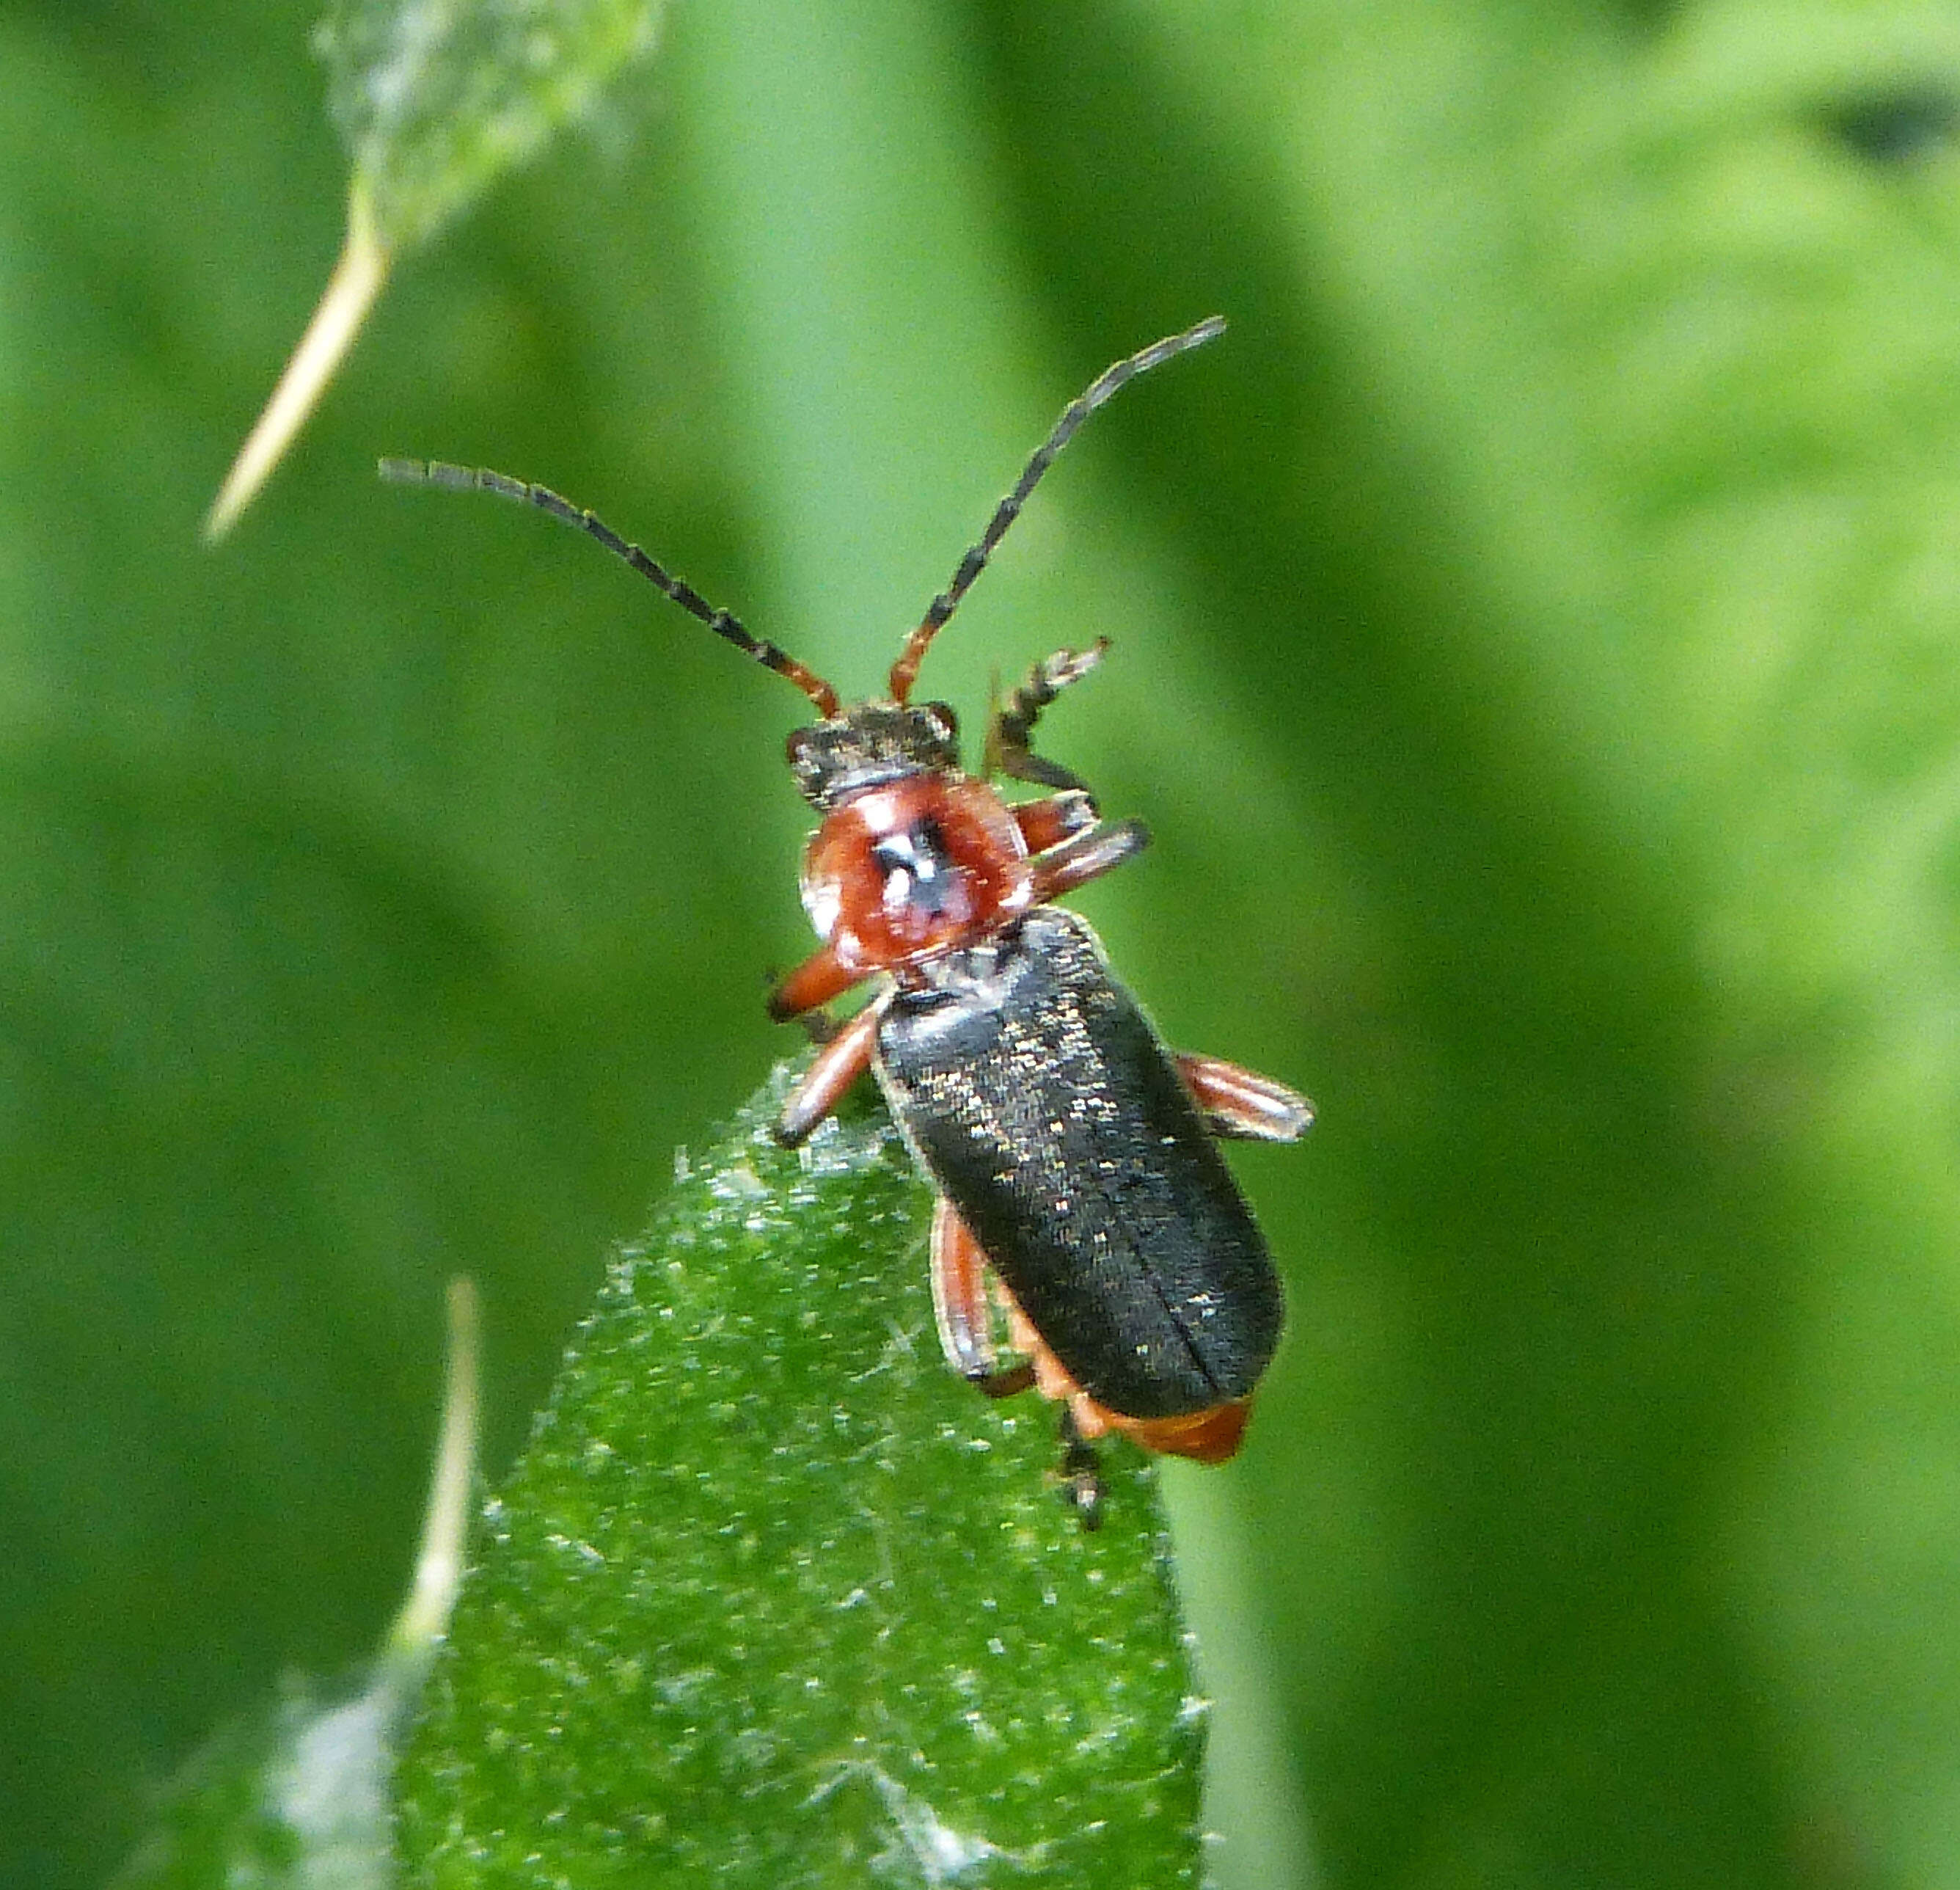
1015 1379
818 1026
1011 727
1082 1486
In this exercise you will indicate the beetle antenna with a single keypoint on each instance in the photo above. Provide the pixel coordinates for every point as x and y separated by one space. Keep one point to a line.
466 478
1099 391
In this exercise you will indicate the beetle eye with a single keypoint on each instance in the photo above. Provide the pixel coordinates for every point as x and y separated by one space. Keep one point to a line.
945 723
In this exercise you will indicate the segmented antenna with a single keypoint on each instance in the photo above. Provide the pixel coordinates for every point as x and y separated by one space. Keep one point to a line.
1103 388
465 479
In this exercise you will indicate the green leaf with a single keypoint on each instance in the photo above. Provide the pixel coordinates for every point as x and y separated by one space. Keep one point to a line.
437 98
297 1797
294 1799
773 1598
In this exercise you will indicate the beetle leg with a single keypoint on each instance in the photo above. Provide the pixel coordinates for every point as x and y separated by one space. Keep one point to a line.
1054 819
838 1064
818 979
818 1026
1242 1105
1087 855
1081 1472
1011 726
960 1306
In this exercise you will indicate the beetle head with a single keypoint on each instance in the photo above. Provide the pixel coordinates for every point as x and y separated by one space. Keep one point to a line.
873 743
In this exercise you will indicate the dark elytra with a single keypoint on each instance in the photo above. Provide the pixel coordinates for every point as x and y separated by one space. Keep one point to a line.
1042 1104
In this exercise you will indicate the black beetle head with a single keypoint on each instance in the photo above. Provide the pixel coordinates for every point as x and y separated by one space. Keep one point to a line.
876 741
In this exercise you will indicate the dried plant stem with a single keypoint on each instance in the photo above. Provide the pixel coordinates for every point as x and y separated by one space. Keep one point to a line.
357 280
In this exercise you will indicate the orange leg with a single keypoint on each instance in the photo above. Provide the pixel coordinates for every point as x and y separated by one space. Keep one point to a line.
1054 819
1081 1473
961 1307
818 979
825 1084
1087 855
1243 1104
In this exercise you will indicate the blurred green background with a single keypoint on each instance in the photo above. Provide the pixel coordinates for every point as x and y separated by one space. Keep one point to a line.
1534 652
